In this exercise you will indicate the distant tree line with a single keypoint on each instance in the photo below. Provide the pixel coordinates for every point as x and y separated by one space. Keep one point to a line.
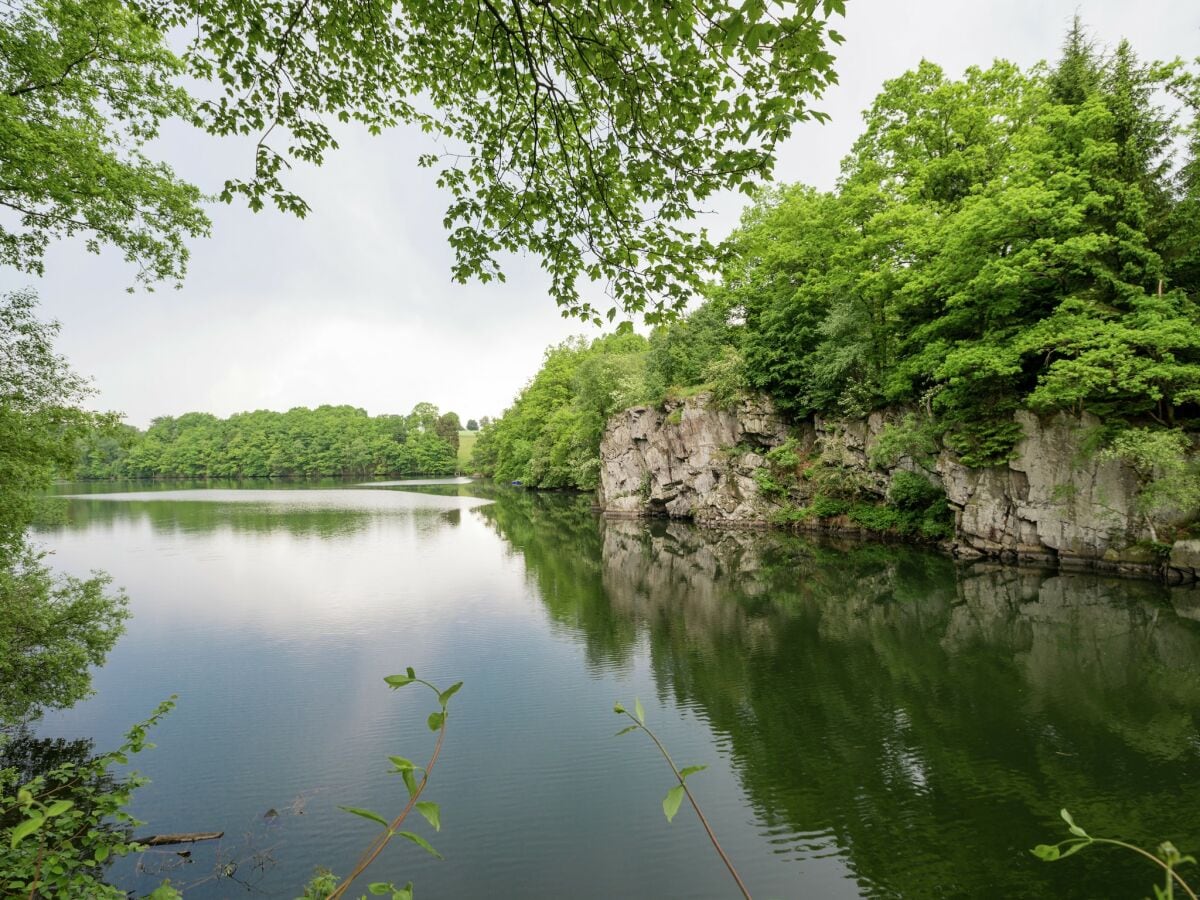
1009 239
328 440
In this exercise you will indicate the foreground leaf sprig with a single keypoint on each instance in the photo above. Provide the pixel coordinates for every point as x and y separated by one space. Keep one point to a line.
675 795
407 770
1166 856
60 829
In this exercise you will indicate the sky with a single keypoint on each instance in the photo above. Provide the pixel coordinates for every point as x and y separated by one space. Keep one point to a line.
354 304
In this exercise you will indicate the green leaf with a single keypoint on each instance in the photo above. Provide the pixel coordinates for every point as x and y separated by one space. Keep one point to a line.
444 696
1071 826
637 708
672 800
379 888
627 729
412 673
618 709
432 814
1046 852
404 893
436 719
58 808
419 841
690 770
402 764
26 828
410 780
366 814
398 681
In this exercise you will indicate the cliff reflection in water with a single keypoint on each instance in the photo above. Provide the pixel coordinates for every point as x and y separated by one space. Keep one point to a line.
932 718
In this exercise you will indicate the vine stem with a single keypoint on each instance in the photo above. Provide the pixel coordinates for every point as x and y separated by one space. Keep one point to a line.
696 806
1154 859
382 841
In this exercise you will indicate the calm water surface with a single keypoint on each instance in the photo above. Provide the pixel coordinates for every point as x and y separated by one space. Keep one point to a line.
876 722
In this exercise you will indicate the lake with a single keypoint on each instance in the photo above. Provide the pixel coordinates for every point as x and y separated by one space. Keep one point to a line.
876 720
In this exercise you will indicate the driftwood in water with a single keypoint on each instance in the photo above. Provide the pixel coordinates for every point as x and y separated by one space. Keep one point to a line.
158 840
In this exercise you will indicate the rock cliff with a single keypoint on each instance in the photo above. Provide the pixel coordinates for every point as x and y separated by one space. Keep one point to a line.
1054 503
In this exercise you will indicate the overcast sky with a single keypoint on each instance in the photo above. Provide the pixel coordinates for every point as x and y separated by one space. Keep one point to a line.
355 305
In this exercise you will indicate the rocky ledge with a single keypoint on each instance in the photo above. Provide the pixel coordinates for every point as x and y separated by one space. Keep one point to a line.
1054 503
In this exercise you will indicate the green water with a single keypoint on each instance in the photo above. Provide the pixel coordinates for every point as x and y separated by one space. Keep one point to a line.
876 721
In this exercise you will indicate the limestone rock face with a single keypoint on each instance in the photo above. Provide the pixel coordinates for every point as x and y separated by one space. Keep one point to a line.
689 460
1052 503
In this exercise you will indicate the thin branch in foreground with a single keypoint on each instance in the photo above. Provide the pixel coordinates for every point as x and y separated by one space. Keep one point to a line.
676 794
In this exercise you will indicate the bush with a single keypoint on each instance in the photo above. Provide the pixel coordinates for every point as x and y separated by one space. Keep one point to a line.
911 491
911 436
726 378
60 829
767 483
988 442
823 507
1170 478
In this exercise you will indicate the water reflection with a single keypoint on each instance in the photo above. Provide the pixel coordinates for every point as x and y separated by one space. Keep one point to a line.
877 720
931 718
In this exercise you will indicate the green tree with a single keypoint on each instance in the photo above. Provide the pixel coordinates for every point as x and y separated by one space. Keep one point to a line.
550 436
302 442
52 629
472 425
682 350
588 134
84 86
1010 238
448 426
40 417
51 633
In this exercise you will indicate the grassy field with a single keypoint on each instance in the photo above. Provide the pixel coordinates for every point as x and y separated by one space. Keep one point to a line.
466 440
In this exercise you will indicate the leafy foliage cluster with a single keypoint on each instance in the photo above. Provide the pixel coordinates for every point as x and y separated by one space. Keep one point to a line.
588 134
328 440
40 418
550 437
52 629
52 632
1011 238
813 489
61 828
84 86
1167 468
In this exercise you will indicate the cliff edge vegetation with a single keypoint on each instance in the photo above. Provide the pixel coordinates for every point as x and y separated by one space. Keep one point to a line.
1012 243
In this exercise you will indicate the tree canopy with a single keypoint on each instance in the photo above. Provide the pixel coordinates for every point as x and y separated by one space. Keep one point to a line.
586 133
550 437
1011 238
302 442
52 629
40 419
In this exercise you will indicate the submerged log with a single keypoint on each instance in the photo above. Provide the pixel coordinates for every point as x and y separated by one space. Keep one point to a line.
159 840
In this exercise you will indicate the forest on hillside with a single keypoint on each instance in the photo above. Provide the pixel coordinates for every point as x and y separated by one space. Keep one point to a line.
1009 239
326 441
